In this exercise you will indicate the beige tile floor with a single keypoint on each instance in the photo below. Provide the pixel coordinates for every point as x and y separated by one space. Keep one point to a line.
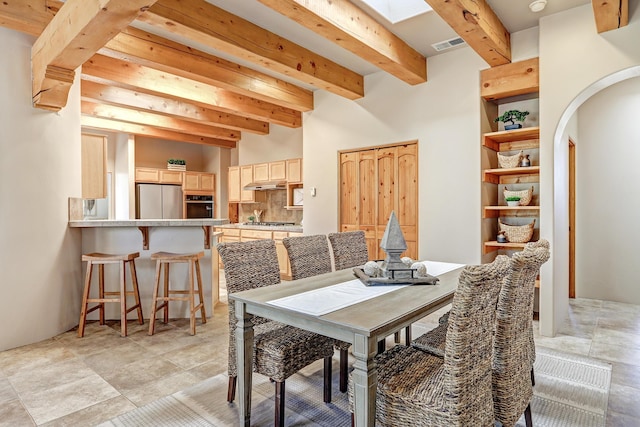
70 381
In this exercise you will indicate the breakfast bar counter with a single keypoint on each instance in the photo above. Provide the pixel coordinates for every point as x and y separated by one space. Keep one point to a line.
148 236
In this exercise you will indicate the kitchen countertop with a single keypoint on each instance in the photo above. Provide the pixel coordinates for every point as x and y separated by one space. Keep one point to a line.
144 224
290 228
149 222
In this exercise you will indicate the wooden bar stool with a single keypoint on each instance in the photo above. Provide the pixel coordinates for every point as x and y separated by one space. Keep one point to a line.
101 259
168 258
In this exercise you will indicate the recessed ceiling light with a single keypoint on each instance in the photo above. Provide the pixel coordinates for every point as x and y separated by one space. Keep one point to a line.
537 5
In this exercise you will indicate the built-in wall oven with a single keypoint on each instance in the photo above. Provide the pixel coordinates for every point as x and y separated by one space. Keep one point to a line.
198 206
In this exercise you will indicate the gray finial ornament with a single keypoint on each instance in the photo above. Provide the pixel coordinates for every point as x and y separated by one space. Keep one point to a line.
394 245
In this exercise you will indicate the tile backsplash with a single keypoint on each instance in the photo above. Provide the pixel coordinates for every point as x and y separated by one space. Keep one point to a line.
272 209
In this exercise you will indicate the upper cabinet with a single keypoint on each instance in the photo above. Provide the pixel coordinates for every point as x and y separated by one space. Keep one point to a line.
294 170
198 181
170 177
234 189
190 181
239 176
272 171
94 166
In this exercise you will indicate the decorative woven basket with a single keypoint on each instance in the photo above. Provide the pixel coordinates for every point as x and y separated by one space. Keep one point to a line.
517 233
525 195
505 161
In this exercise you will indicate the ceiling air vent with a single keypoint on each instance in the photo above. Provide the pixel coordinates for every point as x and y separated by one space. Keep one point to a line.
448 44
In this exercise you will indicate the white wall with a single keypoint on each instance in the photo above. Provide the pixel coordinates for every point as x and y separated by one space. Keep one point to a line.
39 170
443 114
607 206
281 143
575 61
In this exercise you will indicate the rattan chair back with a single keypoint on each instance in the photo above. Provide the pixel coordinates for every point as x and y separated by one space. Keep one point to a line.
512 388
349 249
308 255
247 265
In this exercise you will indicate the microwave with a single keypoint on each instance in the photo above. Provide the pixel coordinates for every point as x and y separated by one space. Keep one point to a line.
198 206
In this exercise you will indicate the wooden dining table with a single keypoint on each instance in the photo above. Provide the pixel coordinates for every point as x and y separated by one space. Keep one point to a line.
362 323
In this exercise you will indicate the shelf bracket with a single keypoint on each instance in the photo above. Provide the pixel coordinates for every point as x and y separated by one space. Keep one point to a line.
207 236
145 237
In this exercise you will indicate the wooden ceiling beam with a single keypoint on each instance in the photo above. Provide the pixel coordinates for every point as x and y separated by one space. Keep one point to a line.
610 14
125 75
205 23
117 126
140 47
134 100
28 16
156 120
479 26
76 32
343 23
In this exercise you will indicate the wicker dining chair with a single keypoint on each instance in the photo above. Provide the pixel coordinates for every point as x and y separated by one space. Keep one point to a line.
349 249
512 347
433 340
419 389
309 256
279 350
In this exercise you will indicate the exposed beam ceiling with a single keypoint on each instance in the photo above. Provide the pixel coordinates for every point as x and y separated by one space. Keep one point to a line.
212 26
221 75
138 101
157 120
610 14
140 47
341 22
76 32
116 72
136 129
479 26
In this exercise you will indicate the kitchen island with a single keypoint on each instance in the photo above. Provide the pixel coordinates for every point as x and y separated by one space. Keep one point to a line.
149 236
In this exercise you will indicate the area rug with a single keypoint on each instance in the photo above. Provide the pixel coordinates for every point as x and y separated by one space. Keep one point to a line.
570 391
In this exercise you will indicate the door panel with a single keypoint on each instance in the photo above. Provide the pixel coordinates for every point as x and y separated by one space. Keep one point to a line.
374 183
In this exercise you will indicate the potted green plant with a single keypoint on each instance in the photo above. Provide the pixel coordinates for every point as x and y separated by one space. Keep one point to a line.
512 200
177 164
512 116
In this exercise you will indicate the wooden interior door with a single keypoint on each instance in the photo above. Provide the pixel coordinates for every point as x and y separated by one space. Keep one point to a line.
375 182
407 195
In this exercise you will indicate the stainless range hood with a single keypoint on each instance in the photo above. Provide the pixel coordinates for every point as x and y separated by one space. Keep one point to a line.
269 185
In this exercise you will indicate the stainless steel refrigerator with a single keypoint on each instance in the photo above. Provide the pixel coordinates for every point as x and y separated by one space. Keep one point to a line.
156 201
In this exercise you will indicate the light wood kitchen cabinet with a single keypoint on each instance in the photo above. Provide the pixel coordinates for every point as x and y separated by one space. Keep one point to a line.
375 182
294 170
261 172
158 176
198 181
272 171
148 175
170 177
278 171
238 177
246 178
94 166
234 188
